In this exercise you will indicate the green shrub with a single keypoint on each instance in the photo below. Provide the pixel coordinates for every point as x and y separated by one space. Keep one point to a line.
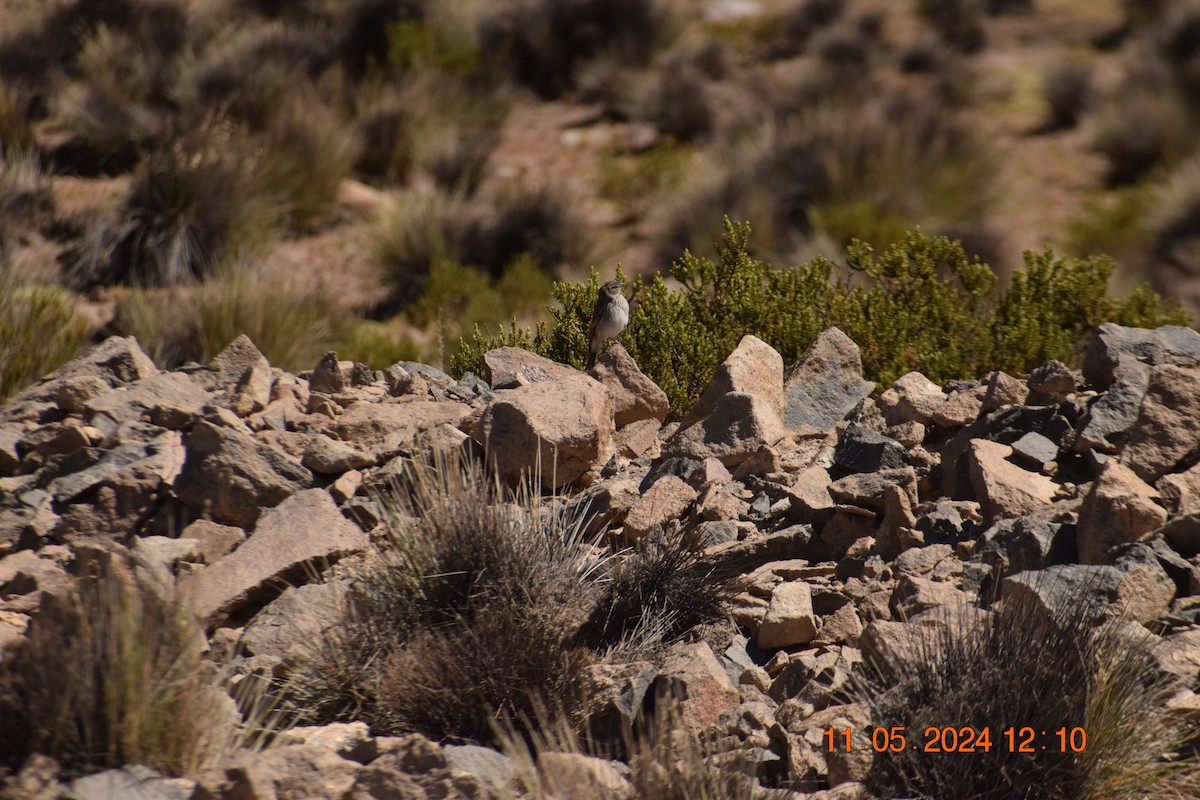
129 684
921 304
40 330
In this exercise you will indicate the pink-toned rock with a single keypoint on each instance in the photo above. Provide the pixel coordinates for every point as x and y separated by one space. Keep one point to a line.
1181 491
912 398
960 408
1120 508
580 776
512 361
306 528
638 438
754 368
253 391
669 498
810 492
290 772
790 619
631 395
558 430
914 594
169 400
383 429
1167 430
1004 489
230 476
692 674
738 425
1002 390
213 541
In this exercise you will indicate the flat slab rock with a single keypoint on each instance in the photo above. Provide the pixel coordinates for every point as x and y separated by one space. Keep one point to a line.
305 528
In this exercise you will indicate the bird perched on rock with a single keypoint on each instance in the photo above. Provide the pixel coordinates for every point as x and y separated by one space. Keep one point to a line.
609 318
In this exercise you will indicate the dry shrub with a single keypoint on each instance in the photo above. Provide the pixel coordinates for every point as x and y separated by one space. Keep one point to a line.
464 615
1020 667
655 594
111 674
545 43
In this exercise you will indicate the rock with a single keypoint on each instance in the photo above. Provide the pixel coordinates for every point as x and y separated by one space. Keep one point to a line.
293 624
1119 508
961 408
891 646
1034 450
232 363
1167 429
350 740
326 456
327 376
1184 534
1146 591
54 439
632 396
826 384
861 450
492 767
504 362
912 398
1110 343
137 469
233 477
253 392
384 429
922 560
291 772
738 427
1003 390
666 500
1181 491
914 594
1050 384
739 412
10 457
869 489
638 439
1106 424
169 400
131 782
213 540
115 361
552 430
1087 593
810 494
576 775
304 529
692 675
790 619
1005 489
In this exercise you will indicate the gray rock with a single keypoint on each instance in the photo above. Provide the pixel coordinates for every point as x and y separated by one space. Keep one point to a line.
1072 591
229 365
169 400
826 384
431 374
1106 424
131 782
1109 344
293 624
327 376
304 529
1050 383
327 456
861 450
1034 450
1165 436
231 476
494 768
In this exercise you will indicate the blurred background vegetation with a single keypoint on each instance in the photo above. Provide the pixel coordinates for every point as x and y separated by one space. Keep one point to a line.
382 177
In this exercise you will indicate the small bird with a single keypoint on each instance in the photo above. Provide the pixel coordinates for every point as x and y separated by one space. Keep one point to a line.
609 318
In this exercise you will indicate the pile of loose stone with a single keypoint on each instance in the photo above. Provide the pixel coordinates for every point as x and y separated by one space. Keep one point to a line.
851 518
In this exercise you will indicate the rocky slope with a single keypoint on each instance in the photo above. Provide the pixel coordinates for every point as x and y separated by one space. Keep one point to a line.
852 519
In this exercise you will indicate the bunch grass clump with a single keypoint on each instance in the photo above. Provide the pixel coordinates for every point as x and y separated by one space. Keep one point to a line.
483 606
1025 666
111 674
40 329
921 304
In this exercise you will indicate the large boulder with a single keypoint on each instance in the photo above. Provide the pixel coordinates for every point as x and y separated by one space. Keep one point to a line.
1120 508
1110 343
631 395
554 430
303 530
740 412
826 384
231 476
1167 430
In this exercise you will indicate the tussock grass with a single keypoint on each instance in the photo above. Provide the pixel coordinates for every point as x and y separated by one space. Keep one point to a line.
292 330
110 674
1020 667
40 330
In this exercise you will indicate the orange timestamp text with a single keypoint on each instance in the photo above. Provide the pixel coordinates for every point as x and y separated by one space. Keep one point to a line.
949 739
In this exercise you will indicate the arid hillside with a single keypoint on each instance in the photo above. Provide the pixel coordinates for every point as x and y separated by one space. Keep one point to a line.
381 175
